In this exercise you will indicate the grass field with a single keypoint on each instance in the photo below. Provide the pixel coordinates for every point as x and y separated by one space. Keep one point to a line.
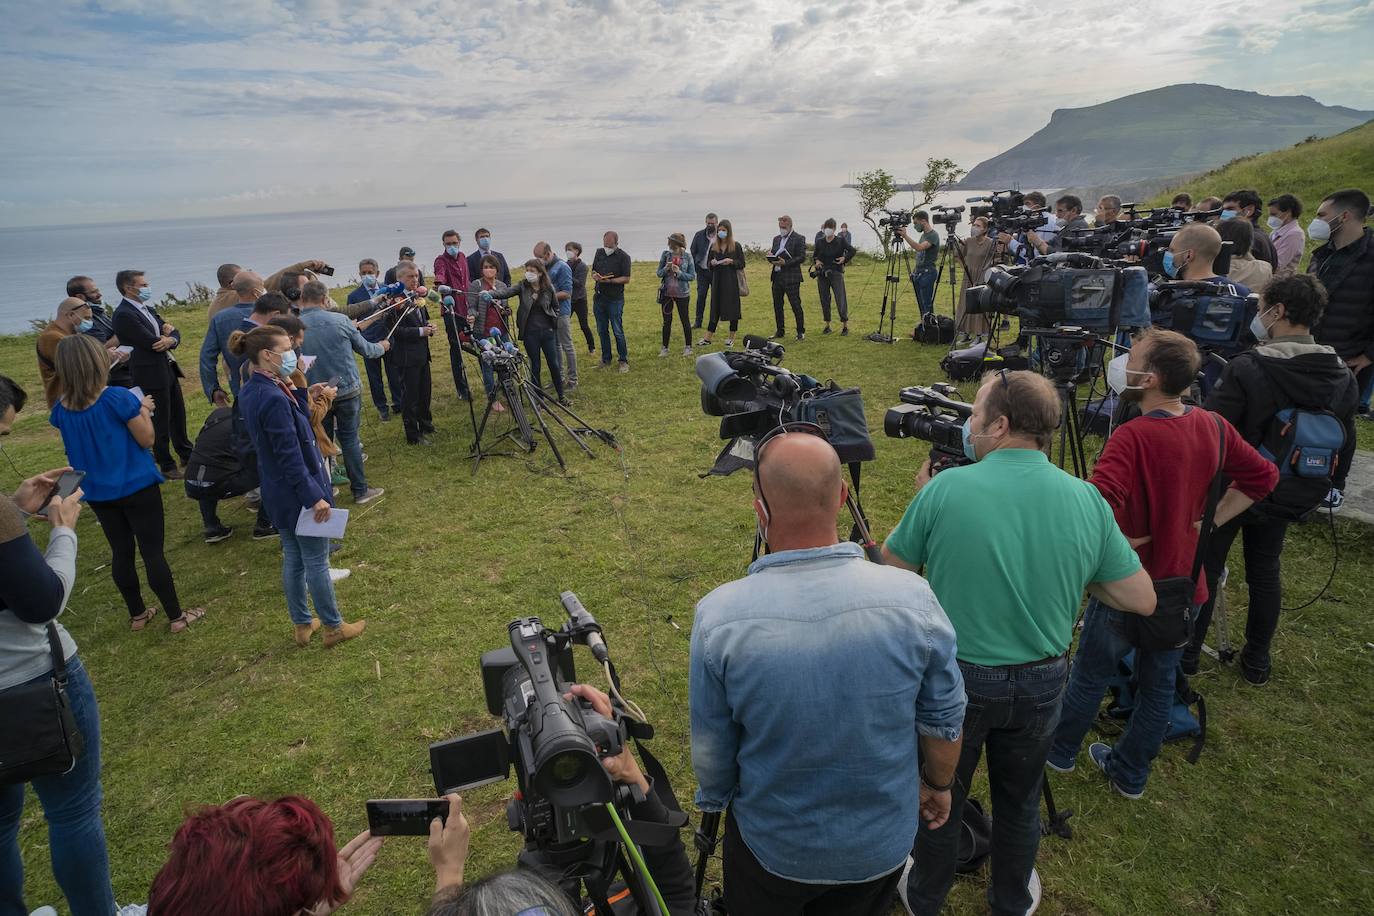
1275 818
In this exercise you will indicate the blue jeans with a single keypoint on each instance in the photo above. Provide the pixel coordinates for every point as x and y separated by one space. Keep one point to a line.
923 282
71 805
544 343
305 565
1101 647
1366 388
344 418
1013 711
610 315
488 378
376 368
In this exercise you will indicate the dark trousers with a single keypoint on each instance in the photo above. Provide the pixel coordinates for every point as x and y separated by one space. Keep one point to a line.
415 395
752 889
681 306
209 514
703 293
237 484
136 521
1262 543
579 308
455 359
923 282
832 281
793 293
1013 711
542 344
375 370
169 425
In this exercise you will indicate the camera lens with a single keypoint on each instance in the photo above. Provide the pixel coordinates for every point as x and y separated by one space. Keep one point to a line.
567 769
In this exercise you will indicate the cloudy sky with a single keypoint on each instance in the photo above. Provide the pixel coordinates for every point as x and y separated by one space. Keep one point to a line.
148 108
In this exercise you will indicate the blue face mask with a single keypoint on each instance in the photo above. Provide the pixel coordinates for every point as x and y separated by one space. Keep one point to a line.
969 453
1171 267
145 293
722 235
369 280
452 250
288 364
484 243
86 325
1228 214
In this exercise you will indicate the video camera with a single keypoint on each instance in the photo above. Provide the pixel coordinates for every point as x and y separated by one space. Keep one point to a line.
896 219
1066 288
1215 316
1000 205
932 415
949 217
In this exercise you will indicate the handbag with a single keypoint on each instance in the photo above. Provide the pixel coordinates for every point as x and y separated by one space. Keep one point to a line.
743 281
1171 625
40 733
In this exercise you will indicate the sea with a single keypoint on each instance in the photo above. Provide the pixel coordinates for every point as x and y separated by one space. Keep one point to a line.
178 252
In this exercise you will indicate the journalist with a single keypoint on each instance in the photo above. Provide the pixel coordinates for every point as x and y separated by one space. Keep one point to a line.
34 591
1156 472
524 890
676 271
247 288
976 255
1246 205
1286 232
381 371
786 255
1345 266
485 315
1286 369
726 261
927 255
828 260
1108 210
611 272
536 322
333 340
561 278
702 241
226 297
1068 217
572 252
1247 270
73 317
1009 543
102 328
451 270
1192 255
825 702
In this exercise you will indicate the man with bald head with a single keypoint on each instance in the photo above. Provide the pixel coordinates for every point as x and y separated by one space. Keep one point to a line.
73 317
247 286
826 703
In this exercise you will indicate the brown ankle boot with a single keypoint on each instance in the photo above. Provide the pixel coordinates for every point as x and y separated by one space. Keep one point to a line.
335 635
305 630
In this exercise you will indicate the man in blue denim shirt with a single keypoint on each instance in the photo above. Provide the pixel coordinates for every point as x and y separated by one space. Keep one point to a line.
813 680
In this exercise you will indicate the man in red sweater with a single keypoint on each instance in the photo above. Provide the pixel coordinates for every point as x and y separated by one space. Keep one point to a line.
451 269
1155 472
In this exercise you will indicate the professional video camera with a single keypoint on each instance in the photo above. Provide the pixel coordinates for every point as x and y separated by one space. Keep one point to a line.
932 415
896 219
949 217
1066 288
567 807
999 205
1215 316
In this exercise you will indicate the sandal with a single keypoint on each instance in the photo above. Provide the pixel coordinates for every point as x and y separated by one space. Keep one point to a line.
189 616
140 621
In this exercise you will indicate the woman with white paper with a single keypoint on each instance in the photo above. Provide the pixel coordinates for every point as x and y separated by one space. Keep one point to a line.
295 484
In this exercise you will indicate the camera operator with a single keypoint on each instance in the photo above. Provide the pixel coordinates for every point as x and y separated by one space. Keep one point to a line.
1108 210
828 259
525 890
1246 205
813 680
927 254
787 254
1156 472
1009 543
1245 268
1285 369
227 297
1068 217
976 254
1182 201
1019 245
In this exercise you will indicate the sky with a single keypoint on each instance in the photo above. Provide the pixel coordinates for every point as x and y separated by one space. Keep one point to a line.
142 109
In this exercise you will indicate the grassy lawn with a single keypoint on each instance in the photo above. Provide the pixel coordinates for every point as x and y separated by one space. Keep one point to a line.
1274 818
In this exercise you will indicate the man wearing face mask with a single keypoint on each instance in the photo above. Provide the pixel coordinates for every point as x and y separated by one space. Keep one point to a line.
786 256
561 276
611 271
102 328
828 259
73 317
451 270
1011 585
1345 266
1247 205
153 369
701 255
760 720
1068 217
1156 472
923 273
1287 368
483 239
1286 232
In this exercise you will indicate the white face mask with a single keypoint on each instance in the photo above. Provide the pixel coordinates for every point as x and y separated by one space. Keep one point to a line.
531 277
1117 374
1319 230
1275 222
975 231
609 249
829 233
1259 328
569 254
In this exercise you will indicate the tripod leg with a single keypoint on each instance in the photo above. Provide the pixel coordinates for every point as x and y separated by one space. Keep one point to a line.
544 428
550 408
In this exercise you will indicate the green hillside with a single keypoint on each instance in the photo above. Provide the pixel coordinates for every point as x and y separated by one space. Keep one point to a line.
1310 170
1175 130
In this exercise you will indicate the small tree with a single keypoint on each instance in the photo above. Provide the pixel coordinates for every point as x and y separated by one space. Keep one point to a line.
940 174
877 188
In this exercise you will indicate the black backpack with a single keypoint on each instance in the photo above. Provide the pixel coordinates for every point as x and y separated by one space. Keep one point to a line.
934 329
1305 442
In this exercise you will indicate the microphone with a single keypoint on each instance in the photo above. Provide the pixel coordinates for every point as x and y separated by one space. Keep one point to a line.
391 289
582 619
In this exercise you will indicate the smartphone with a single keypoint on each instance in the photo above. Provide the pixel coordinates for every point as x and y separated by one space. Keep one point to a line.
66 486
404 816
333 382
473 760
326 270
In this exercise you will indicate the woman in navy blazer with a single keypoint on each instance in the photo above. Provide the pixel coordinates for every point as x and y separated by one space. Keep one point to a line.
276 414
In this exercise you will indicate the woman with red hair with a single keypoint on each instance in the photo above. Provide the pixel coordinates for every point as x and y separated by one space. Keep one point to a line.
259 858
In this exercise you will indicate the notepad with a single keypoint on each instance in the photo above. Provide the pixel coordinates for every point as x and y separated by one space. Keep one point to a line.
125 350
306 526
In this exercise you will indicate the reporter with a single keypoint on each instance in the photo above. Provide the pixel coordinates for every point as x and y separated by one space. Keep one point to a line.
34 590
676 270
1246 205
1245 269
264 858
1287 235
1009 543
483 315
976 254
726 259
831 254
293 476
536 321
106 433
73 317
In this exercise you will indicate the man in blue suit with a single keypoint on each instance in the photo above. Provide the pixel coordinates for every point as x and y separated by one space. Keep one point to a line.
138 325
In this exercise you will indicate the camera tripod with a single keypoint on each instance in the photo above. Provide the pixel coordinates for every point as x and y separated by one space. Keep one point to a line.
897 254
516 389
593 865
1060 351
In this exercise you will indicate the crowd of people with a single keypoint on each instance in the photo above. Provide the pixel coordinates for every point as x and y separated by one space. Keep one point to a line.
962 634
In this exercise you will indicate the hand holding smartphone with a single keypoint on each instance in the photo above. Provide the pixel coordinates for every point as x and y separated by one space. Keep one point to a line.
404 816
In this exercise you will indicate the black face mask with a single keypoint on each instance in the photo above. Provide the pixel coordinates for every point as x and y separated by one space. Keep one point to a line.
293 293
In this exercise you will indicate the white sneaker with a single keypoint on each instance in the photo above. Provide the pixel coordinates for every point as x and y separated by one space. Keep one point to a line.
371 494
687 351
663 352
44 911
1033 885
338 575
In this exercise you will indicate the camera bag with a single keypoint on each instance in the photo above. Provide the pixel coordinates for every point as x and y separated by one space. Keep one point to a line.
840 413
934 329
39 729
1183 724
1171 625
1305 442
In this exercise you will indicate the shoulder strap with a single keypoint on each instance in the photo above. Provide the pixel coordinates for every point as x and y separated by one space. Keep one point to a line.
59 664
1213 497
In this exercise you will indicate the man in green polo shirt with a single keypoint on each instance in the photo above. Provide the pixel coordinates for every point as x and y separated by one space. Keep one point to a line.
1009 544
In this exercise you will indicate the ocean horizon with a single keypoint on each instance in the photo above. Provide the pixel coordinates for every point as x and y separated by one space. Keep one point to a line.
179 251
